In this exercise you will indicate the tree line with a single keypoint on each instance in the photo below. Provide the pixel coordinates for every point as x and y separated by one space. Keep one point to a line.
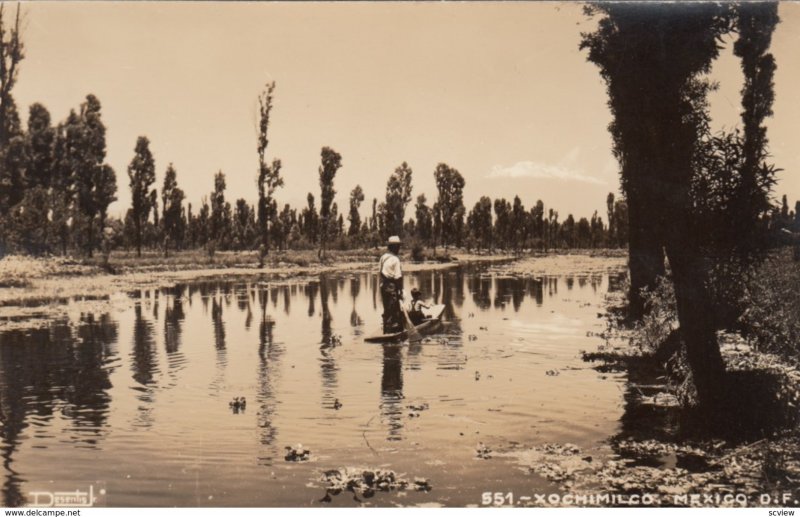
56 188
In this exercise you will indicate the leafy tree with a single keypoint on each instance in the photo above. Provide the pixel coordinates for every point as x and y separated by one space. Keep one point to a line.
339 224
105 193
479 222
410 227
502 223
568 231
63 184
269 175
13 164
191 227
437 225
755 23
203 220
537 221
129 229
331 162
12 143
356 198
659 120
95 182
11 54
398 195
552 227
611 221
142 174
450 185
32 223
226 238
40 148
217 200
241 223
621 223
334 222
519 223
424 219
310 220
796 222
597 230
583 233
287 221
171 210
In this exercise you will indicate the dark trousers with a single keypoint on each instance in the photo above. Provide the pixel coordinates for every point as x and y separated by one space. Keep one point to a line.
390 297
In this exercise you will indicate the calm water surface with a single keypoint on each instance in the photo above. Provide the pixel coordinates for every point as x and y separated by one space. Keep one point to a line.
135 402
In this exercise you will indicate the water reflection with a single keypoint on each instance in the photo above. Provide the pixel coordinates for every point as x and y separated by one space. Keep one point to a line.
143 365
392 391
173 319
58 374
327 362
311 293
355 289
269 353
243 339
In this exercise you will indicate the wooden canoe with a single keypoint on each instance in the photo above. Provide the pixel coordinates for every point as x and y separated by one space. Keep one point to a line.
428 326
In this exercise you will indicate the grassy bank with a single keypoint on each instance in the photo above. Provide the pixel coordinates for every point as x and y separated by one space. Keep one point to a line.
752 446
35 290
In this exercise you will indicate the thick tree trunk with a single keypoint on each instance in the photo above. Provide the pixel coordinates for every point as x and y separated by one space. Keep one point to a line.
646 255
697 328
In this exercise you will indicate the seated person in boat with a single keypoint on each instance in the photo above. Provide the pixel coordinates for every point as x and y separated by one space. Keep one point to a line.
416 314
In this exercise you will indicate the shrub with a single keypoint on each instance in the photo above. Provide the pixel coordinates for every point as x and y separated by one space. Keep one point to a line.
417 252
661 317
772 300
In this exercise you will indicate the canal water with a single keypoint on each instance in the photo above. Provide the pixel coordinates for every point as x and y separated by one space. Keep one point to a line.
135 403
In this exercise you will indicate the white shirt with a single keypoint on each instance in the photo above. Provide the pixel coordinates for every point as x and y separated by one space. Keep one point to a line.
418 305
390 266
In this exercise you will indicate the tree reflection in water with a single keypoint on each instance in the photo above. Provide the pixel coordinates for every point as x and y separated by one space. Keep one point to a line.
327 362
54 373
269 354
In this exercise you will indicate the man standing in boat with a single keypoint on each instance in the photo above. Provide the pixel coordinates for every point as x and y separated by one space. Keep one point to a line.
391 277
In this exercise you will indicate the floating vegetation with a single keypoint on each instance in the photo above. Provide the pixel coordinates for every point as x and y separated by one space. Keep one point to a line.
365 482
238 404
707 473
553 461
297 453
416 409
483 451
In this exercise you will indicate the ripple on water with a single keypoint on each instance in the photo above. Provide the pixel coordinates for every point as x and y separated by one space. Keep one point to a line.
145 391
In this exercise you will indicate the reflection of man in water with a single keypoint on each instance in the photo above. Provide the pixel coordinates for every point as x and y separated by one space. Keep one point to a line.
392 390
391 277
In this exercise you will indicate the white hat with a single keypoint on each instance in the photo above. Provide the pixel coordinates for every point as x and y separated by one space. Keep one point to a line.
394 239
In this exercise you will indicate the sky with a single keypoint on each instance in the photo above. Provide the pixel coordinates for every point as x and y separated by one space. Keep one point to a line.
499 91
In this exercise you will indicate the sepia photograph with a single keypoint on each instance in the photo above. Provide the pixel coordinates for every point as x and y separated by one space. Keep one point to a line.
326 255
